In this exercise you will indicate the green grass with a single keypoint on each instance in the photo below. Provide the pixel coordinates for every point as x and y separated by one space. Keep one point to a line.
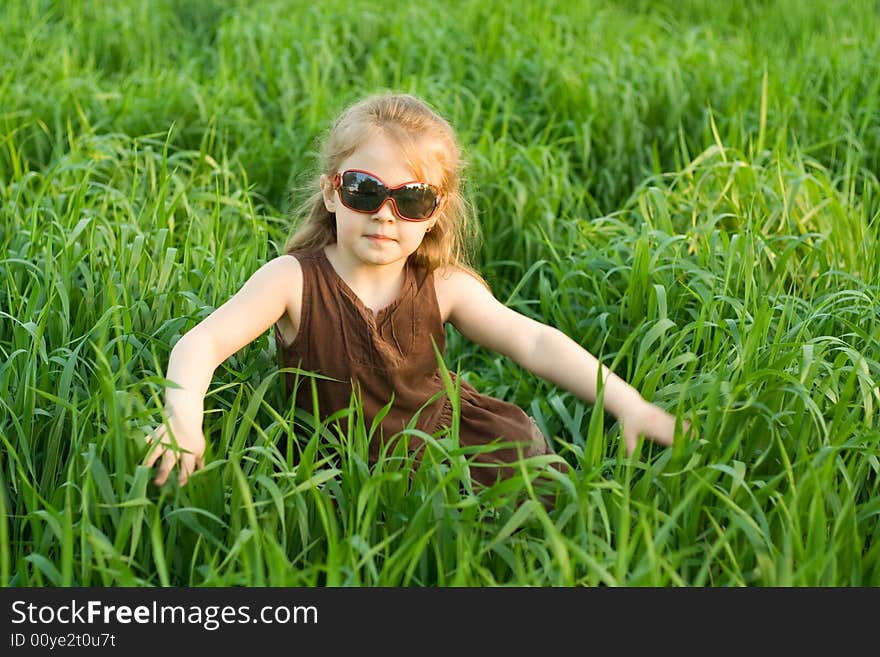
689 191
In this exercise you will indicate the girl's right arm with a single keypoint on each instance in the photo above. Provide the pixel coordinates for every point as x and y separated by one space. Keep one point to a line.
272 291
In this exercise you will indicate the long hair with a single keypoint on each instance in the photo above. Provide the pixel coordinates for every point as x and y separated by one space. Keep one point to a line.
428 144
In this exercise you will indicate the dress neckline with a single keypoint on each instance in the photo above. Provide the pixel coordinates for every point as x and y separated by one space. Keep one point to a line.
358 302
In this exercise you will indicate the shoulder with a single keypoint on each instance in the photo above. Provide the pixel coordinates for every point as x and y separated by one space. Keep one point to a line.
284 268
455 286
467 303
285 274
281 278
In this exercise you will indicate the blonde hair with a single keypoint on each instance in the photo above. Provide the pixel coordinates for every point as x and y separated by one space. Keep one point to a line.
415 128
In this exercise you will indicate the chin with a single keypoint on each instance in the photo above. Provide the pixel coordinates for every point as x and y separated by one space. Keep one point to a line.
381 258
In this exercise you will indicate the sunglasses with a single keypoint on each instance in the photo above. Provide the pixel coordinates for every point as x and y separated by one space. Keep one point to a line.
363 192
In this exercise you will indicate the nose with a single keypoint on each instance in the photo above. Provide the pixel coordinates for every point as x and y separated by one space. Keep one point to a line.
385 212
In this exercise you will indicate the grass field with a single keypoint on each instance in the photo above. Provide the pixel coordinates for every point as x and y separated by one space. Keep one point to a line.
688 189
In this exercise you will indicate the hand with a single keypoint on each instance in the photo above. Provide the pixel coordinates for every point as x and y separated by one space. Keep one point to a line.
652 421
188 458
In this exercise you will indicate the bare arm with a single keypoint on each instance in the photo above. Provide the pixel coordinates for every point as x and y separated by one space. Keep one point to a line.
272 291
548 353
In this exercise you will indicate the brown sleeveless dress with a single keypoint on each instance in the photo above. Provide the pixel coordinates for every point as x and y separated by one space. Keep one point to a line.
390 356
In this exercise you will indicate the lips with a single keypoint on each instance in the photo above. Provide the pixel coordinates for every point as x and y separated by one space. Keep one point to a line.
380 238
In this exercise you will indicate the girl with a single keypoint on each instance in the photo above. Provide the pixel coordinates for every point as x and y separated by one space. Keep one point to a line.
361 297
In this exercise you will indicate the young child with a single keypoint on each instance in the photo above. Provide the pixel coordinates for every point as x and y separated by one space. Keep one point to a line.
370 277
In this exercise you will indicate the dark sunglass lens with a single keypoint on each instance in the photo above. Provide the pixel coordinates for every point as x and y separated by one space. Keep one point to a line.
362 192
416 201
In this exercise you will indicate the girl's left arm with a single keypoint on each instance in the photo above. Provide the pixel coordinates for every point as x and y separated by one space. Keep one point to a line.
549 353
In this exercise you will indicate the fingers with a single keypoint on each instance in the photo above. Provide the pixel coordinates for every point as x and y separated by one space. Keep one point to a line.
685 427
666 432
157 440
168 461
653 423
156 450
187 464
162 451
630 439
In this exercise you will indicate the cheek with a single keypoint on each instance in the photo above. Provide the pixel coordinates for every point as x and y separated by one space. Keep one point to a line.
416 233
345 223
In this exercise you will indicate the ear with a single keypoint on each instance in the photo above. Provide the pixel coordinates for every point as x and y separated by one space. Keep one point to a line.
328 193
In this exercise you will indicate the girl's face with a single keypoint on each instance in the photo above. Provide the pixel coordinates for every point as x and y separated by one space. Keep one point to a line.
380 237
